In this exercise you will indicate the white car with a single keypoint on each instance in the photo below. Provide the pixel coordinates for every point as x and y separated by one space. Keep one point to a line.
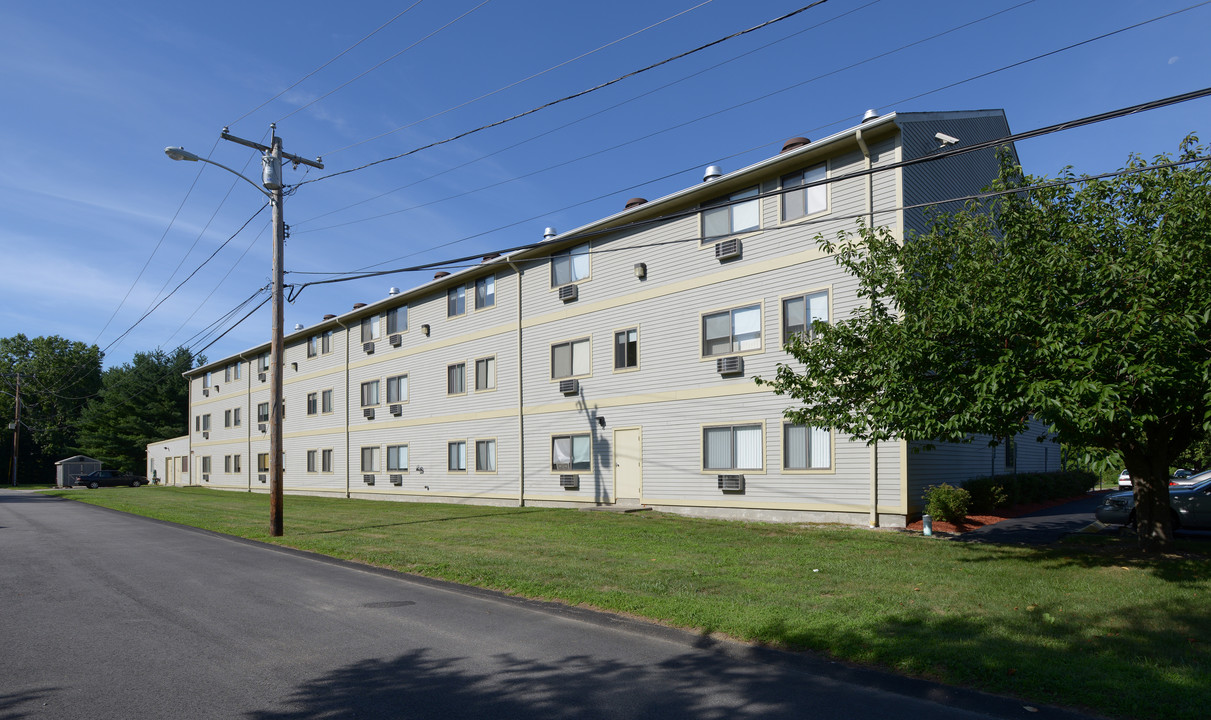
1124 480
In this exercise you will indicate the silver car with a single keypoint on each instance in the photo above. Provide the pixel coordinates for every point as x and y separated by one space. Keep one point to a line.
1191 506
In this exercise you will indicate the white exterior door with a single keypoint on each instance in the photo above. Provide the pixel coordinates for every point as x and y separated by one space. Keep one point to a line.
628 464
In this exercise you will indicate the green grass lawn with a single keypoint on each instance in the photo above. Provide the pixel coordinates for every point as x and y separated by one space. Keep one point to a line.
1091 623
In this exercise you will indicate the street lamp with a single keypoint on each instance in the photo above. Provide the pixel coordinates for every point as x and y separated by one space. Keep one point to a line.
271 161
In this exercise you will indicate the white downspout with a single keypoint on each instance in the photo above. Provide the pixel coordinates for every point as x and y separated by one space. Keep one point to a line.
521 418
870 210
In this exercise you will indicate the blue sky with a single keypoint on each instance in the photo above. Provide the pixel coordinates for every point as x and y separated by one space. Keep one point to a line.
93 92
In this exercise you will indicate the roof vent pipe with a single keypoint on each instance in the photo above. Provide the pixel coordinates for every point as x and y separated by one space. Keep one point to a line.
329 317
871 114
712 173
794 143
440 274
392 292
358 306
549 233
490 257
298 326
635 202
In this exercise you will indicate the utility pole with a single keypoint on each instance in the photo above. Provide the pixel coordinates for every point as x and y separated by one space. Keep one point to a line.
16 429
271 178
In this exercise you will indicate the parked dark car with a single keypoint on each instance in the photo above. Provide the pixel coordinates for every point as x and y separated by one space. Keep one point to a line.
1191 505
110 478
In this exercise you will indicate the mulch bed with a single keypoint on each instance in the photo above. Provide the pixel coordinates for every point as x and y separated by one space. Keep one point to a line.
971 522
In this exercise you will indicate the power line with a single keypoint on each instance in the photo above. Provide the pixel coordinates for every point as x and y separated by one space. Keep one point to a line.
384 62
338 56
573 96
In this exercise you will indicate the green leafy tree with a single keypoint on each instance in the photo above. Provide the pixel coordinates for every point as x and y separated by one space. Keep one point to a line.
1085 305
140 402
57 377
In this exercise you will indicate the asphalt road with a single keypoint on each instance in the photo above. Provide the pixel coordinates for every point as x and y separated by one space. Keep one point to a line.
105 615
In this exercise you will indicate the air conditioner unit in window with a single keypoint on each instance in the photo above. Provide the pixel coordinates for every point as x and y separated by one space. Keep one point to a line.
397 410
263 477
205 477
731 483
205 392
396 340
368 348
727 249
368 479
569 482
216 388
397 480
262 427
729 365
569 387
260 376
369 413
206 435
568 293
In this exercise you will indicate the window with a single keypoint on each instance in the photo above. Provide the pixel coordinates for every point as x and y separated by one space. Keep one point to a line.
734 447
311 461
485 292
730 331
570 359
626 349
326 401
397 320
798 314
313 346
227 374
805 200
206 422
227 464
326 343
197 423
456 379
370 459
485 373
206 380
485 456
262 412
370 328
205 464
397 389
326 461
1011 453
184 463
313 403
262 462
370 393
235 463
226 418
457 456
725 216
456 301
397 458
571 453
806 448
262 362
570 266
235 417
235 373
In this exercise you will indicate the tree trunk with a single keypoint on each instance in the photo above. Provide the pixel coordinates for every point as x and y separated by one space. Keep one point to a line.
1153 515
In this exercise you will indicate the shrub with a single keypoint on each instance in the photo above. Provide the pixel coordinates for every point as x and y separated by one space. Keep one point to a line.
947 503
987 494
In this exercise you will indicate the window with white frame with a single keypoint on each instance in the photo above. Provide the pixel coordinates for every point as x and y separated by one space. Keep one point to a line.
235 463
313 403
326 461
397 389
732 448
370 459
801 200
227 374
731 214
456 379
326 343
237 370
206 422
456 301
729 331
485 456
370 328
485 373
235 417
570 266
397 320
370 393
326 401
227 464
570 359
626 349
799 312
485 292
456 453
262 412
806 448
226 418
571 453
311 461
397 458
262 362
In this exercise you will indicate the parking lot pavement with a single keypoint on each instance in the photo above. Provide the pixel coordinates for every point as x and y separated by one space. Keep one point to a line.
1039 528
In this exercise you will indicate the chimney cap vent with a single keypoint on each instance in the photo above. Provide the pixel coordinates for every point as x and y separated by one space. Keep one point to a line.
329 316
635 202
440 274
795 143
714 172
871 114
358 306
393 291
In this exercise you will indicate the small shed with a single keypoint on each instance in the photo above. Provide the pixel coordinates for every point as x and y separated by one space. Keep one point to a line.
67 470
